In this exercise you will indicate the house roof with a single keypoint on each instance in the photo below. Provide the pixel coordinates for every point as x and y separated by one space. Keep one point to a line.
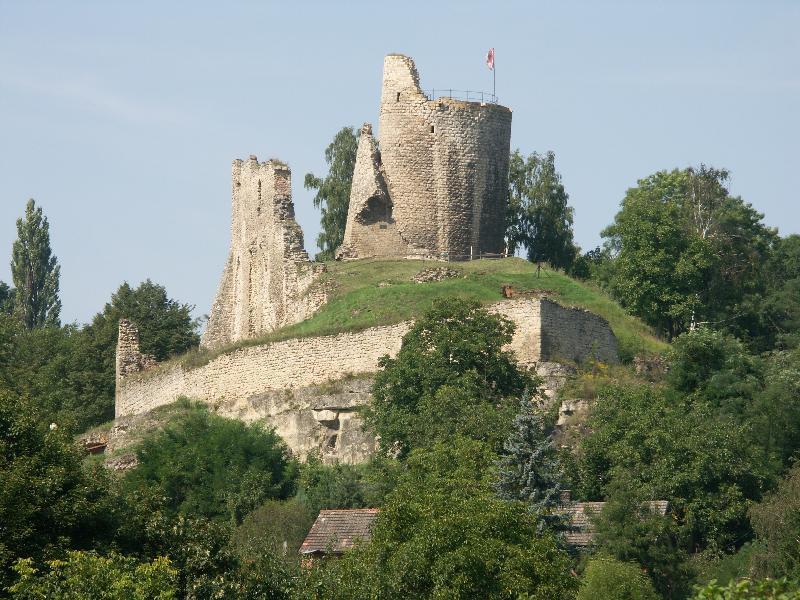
337 530
579 527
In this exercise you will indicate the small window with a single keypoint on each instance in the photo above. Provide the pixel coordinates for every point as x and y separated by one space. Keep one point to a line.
259 190
398 97
433 129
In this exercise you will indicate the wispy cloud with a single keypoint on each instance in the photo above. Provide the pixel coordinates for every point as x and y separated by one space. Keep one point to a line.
85 94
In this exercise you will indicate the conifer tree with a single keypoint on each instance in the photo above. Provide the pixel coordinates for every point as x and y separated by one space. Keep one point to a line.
529 469
35 271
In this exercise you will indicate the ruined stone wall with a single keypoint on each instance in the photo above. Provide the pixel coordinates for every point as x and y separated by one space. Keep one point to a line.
574 334
129 359
267 276
446 165
268 381
371 228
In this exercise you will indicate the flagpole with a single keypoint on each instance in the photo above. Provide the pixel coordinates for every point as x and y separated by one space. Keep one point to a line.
494 80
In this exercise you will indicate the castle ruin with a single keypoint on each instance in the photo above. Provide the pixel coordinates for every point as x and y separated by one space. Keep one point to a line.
437 188
268 272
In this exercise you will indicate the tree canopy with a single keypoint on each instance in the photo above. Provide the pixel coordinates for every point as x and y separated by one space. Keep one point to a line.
684 250
333 192
35 271
539 218
451 376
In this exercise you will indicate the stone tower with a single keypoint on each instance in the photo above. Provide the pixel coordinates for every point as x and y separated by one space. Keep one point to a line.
268 272
438 186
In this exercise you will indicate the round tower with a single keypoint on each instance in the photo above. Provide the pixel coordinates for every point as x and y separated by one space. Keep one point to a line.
446 166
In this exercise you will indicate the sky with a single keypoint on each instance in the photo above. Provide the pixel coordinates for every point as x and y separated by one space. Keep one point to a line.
121 119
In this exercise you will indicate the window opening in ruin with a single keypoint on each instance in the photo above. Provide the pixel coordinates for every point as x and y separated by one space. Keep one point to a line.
398 97
432 128
259 190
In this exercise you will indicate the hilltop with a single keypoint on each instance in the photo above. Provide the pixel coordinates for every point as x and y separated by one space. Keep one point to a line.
373 292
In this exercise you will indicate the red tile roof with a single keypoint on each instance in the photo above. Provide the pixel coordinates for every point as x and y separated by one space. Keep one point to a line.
337 530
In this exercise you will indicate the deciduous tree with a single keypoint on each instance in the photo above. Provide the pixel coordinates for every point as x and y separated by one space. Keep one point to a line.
539 218
333 192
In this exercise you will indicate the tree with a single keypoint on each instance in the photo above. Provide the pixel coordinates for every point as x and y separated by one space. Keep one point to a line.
35 271
209 466
6 299
87 575
529 469
48 502
776 521
166 328
685 251
443 533
540 220
333 192
750 589
628 530
451 376
703 463
607 578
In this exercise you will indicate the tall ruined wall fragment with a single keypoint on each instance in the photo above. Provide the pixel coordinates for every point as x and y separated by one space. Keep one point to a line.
268 274
444 163
371 228
129 358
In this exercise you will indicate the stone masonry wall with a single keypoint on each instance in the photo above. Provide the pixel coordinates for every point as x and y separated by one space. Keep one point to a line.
129 359
265 382
445 163
573 334
268 274
371 228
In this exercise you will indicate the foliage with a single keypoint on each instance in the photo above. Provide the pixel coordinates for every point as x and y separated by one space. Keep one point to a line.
716 367
322 486
776 521
529 470
274 528
452 357
35 271
6 298
539 218
333 192
704 464
214 467
86 575
685 250
48 503
628 530
443 533
750 589
606 578
775 413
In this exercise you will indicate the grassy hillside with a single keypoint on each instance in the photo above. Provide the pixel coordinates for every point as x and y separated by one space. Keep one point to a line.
367 293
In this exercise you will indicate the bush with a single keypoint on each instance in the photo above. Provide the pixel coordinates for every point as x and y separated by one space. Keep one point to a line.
209 466
87 575
748 589
608 579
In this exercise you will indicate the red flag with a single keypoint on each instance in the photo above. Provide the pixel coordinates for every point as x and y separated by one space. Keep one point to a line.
490 59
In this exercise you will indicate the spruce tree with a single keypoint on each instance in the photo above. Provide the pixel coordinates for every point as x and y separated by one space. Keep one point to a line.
35 271
529 469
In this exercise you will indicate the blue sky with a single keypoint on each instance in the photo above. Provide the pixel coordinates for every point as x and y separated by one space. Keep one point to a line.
122 119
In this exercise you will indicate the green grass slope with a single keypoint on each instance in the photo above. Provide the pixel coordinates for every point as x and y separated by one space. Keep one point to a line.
372 292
